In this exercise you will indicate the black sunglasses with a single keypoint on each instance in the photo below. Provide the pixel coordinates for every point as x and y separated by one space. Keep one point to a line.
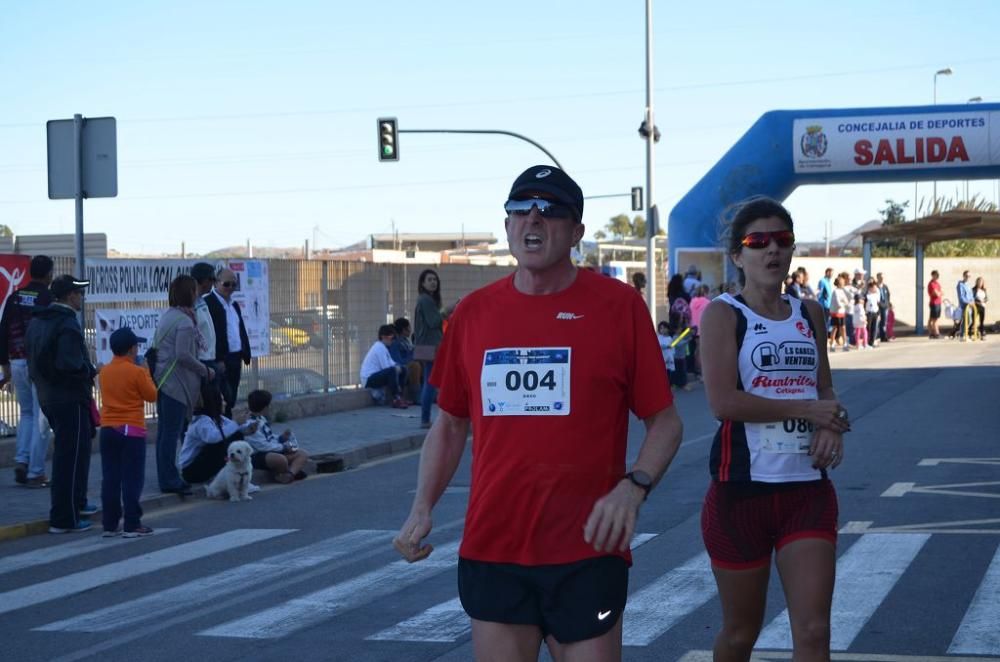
228 283
546 208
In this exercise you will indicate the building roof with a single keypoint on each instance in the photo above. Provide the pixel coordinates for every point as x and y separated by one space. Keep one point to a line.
943 226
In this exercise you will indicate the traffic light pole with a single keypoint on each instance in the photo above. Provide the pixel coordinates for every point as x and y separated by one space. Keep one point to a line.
651 216
488 131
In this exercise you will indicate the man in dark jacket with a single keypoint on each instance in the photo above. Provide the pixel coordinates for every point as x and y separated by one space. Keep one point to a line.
32 432
232 344
60 367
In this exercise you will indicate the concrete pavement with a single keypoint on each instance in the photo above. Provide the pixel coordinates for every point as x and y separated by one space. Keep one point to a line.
353 436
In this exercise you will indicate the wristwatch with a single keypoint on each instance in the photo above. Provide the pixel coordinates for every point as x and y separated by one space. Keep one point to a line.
641 479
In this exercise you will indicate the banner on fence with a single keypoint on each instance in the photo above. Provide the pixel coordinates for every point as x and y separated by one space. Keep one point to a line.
148 281
142 321
14 273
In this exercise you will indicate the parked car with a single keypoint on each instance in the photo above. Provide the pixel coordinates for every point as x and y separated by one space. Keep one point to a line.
311 322
283 382
287 338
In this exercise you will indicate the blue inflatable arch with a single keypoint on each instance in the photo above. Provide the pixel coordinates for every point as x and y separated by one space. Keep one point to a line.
786 149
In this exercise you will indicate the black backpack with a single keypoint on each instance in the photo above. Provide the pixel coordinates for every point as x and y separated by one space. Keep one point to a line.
152 354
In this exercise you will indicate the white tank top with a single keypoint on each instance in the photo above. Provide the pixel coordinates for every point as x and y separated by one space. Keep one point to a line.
778 359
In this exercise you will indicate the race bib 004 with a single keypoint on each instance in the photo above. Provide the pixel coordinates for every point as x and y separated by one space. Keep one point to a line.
792 435
522 381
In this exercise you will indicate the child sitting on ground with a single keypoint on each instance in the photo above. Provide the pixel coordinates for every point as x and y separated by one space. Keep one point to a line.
280 455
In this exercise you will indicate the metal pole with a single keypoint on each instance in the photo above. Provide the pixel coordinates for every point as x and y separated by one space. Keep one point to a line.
324 282
489 132
918 253
650 193
78 179
934 208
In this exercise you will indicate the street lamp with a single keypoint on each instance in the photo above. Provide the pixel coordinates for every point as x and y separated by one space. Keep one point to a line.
940 72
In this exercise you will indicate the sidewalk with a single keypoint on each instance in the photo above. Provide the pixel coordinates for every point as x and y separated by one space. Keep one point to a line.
354 436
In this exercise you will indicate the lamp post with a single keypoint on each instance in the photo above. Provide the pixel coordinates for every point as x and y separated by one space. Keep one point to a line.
971 100
940 72
651 275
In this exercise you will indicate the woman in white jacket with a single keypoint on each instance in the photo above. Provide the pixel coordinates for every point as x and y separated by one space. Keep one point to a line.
840 308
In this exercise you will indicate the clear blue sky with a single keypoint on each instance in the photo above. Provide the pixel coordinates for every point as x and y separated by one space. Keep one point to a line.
257 119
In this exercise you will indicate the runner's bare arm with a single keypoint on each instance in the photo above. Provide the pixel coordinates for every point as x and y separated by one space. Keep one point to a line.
611 523
439 458
827 445
720 371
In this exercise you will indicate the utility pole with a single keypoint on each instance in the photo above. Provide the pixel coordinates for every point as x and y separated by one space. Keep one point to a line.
651 215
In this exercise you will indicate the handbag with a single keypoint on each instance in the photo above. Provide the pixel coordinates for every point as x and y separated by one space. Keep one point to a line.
424 352
152 354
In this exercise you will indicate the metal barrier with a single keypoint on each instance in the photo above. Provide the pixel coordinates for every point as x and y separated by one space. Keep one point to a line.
324 317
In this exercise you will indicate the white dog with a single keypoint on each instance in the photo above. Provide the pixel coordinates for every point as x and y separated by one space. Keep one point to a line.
234 478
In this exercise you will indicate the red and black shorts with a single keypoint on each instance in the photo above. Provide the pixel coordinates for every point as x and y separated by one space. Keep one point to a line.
743 523
571 601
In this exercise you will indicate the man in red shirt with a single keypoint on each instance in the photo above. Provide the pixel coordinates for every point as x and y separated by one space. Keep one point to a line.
546 365
934 297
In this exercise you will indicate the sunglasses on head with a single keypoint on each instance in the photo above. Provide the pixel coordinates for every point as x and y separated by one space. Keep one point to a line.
546 208
784 239
228 283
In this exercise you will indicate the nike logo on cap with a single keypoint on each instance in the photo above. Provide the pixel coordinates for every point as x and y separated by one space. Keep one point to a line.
601 615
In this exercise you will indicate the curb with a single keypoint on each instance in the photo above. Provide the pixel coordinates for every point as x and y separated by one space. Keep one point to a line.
348 459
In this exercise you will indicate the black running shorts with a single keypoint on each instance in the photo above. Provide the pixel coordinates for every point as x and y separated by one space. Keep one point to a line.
572 601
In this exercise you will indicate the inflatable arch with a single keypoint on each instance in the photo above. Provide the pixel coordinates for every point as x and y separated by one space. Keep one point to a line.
786 149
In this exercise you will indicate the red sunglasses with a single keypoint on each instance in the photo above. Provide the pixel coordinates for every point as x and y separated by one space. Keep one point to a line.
784 239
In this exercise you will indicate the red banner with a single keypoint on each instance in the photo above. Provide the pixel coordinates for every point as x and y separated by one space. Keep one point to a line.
13 275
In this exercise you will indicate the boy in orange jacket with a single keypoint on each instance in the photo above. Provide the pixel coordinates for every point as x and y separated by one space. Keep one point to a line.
125 386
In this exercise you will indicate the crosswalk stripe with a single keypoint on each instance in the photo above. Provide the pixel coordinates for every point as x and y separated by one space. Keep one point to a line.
140 565
62 551
978 632
660 605
300 613
865 575
447 621
215 587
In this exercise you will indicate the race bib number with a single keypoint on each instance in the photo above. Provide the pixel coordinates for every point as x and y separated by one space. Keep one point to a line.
792 435
526 381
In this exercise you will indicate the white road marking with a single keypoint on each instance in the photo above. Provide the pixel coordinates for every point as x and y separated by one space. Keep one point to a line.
865 575
140 565
854 527
660 605
979 632
215 587
935 461
322 605
763 656
898 489
67 550
447 621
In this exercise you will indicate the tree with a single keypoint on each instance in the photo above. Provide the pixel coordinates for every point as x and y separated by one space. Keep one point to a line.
639 227
893 213
619 226
5 231
600 235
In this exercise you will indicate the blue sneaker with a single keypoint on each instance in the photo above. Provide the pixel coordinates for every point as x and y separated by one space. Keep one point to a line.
89 509
82 525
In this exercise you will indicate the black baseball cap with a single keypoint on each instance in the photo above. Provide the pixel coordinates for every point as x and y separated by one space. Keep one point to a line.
63 285
552 181
124 339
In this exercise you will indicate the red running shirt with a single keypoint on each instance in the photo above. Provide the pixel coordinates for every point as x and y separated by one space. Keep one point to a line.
535 478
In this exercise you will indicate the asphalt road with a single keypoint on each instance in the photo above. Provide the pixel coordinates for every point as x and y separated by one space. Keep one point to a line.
307 572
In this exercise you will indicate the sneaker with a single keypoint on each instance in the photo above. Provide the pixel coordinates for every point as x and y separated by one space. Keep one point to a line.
399 404
88 509
82 525
138 532
111 534
253 489
37 482
20 473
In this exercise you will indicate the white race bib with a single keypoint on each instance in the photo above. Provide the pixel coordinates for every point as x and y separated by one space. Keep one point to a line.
526 381
792 435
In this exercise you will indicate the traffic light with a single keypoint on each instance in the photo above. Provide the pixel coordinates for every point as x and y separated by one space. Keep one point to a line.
388 139
636 198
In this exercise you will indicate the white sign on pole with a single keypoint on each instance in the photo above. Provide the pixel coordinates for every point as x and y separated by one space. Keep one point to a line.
98 159
895 142
255 302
